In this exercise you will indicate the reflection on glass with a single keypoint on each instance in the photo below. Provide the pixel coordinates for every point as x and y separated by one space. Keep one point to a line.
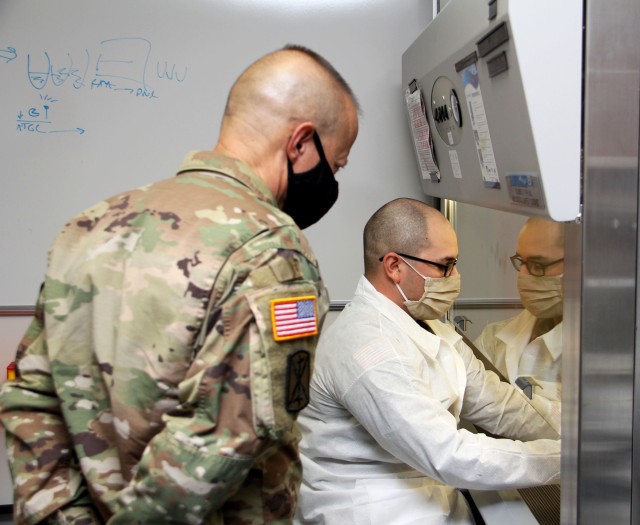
526 348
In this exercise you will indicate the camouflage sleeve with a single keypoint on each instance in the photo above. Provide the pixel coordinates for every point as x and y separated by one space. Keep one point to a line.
239 400
45 473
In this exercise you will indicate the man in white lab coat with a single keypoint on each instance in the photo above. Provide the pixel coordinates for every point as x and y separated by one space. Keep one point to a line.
529 345
381 443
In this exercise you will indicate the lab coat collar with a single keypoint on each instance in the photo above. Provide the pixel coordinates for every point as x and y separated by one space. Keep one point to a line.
429 343
445 331
553 341
516 334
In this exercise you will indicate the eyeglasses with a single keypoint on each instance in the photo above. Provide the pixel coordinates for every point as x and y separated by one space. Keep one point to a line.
537 269
446 268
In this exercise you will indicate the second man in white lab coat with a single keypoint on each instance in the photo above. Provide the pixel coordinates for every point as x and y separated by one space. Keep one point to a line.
529 345
381 443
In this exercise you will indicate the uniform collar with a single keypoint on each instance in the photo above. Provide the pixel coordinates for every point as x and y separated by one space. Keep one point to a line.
210 161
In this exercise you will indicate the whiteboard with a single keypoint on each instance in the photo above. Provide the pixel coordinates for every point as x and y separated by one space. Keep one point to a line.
98 97
486 240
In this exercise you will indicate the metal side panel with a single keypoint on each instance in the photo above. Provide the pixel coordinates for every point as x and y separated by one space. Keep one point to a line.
601 294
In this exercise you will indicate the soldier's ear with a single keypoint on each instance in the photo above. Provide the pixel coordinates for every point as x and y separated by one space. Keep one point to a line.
300 140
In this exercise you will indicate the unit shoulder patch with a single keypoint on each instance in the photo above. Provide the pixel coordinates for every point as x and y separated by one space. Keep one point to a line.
298 377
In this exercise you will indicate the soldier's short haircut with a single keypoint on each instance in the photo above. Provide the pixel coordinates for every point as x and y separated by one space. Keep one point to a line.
326 65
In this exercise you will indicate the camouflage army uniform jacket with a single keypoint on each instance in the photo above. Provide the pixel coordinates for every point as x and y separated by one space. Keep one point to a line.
156 383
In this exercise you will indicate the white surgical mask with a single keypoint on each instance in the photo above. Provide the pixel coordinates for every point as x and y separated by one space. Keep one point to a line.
438 296
541 296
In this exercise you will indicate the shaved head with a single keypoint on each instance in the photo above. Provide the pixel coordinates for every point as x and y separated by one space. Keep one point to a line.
276 109
537 227
402 225
286 87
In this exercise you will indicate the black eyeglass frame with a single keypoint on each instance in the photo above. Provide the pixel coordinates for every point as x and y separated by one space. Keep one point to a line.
446 268
535 268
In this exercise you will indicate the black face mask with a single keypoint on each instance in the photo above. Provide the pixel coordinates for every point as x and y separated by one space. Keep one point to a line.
312 193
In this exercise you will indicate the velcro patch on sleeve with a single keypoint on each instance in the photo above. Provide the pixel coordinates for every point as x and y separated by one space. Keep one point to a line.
298 377
294 317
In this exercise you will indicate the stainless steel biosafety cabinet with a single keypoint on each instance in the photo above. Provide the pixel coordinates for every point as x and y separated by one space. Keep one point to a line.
532 107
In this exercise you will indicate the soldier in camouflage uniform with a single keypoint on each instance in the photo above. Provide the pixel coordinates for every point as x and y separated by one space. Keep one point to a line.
174 334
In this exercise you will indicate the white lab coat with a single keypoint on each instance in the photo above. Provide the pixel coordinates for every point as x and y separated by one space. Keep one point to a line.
506 344
381 444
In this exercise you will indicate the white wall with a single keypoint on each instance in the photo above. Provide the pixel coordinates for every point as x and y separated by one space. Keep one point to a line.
129 141
55 176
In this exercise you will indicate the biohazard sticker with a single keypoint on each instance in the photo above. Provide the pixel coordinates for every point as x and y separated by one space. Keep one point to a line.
294 317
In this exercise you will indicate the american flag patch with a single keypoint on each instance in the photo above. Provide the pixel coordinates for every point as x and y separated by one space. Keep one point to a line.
294 317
